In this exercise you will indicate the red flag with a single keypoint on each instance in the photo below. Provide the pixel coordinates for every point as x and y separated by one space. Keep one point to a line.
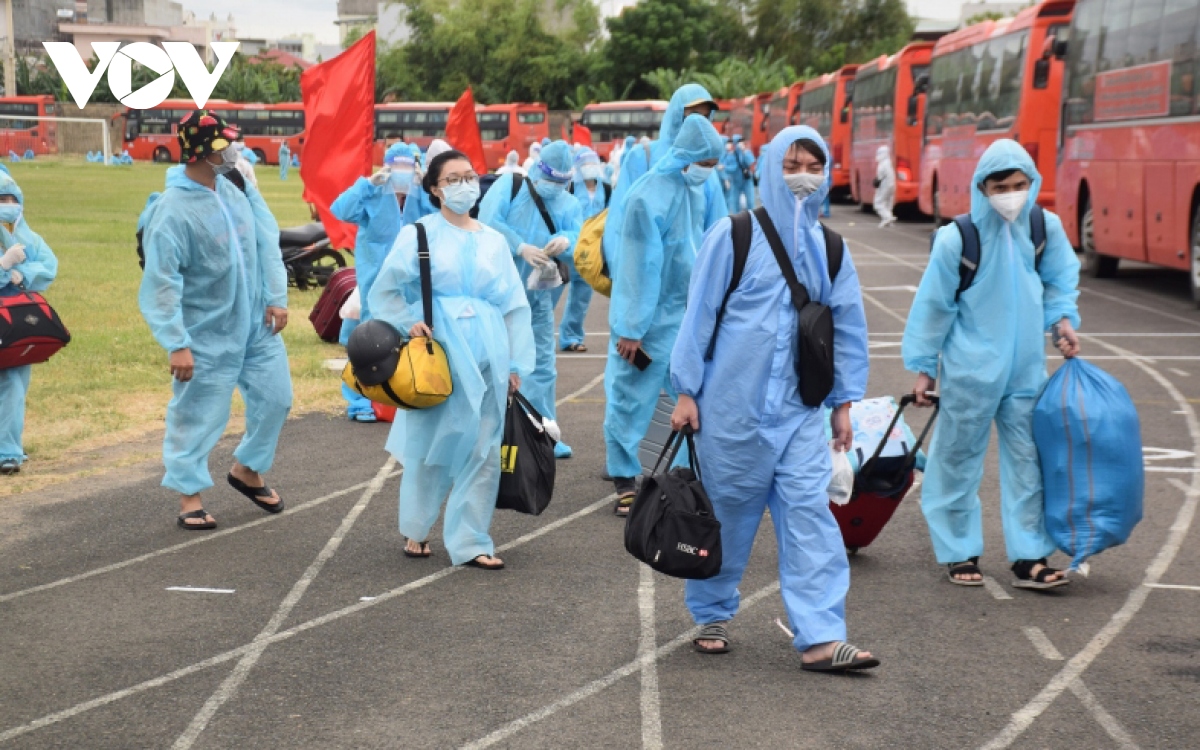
462 131
339 118
583 136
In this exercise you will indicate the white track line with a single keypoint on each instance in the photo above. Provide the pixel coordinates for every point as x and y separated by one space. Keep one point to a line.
282 635
208 537
995 589
200 590
572 396
1024 718
1176 586
594 687
886 309
1192 321
1042 643
647 654
241 671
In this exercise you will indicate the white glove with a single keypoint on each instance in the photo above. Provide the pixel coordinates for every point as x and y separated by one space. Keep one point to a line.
352 310
556 247
533 256
15 277
381 177
13 256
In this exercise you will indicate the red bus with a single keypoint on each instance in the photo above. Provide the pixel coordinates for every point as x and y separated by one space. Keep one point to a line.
511 127
993 80
888 112
20 136
825 106
782 109
1129 170
762 111
150 134
723 118
411 122
612 122
741 117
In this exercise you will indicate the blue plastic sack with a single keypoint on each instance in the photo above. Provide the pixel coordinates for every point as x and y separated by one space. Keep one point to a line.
1090 443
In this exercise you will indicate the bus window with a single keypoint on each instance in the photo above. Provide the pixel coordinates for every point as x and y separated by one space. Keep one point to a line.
1081 61
531 118
1143 32
493 126
1115 35
1177 42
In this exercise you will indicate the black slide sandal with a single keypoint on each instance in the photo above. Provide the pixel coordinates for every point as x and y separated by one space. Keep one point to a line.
254 493
845 658
1023 570
968 567
474 563
201 514
425 551
714 631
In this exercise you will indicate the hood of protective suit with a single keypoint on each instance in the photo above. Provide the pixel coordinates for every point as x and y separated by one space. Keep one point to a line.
697 141
438 146
395 151
882 154
1001 156
586 156
557 158
513 159
8 186
672 121
785 211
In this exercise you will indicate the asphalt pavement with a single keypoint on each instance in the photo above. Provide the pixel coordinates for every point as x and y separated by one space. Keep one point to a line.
311 629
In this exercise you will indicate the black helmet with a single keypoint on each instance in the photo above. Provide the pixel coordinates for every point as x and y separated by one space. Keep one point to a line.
374 352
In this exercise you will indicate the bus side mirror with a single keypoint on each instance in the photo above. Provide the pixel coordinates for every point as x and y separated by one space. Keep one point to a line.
1061 48
922 84
914 107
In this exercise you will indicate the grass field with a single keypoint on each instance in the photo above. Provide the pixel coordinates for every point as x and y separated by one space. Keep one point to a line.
111 384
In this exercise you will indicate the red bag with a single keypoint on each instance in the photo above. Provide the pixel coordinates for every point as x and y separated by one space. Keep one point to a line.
326 315
30 331
383 412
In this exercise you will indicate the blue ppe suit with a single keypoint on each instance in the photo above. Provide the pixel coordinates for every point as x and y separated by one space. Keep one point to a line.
570 331
375 210
993 360
213 267
38 270
481 318
739 187
663 226
759 447
635 163
520 222
285 160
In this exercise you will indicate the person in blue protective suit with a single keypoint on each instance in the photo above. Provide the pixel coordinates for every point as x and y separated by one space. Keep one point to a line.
739 163
663 226
214 294
373 204
758 445
418 204
481 318
285 160
990 344
535 247
26 264
593 194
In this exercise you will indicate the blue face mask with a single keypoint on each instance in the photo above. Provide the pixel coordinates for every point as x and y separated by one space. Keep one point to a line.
697 175
10 213
549 190
461 198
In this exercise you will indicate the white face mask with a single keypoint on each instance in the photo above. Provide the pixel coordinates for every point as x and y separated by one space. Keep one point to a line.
697 175
1010 205
803 185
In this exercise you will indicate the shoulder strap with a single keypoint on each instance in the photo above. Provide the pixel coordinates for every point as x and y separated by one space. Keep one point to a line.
835 250
800 296
969 265
607 193
541 207
571 188
1037 232
516 188
426 274
741 230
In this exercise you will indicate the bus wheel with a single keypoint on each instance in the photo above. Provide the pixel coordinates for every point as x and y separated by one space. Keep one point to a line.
1098 266
1195 265
262 157
162 155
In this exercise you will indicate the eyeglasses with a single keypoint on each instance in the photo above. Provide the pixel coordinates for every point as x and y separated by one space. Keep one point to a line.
456 179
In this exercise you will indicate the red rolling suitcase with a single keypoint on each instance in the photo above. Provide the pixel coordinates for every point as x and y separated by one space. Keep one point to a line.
326 314
879 487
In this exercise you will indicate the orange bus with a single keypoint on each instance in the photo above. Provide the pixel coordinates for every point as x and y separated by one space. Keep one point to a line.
993 80
19 135
511 127
741 117
150 134
782 109
411 122
722 119
762 111
1129 170
825 106
612 122
888 112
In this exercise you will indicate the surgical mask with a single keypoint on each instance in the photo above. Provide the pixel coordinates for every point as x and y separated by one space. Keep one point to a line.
803 185
1010 205
697 175
228 163
461 198
10 213
401 181
549 190
591 171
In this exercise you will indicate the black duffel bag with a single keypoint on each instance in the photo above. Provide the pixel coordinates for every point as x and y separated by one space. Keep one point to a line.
526 460
672 527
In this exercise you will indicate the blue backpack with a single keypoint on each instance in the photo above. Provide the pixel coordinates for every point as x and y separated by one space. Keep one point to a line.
971 250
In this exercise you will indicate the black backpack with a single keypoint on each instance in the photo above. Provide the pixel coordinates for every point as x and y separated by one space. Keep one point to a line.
972 246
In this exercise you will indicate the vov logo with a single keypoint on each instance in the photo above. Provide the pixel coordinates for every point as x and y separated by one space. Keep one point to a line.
171 58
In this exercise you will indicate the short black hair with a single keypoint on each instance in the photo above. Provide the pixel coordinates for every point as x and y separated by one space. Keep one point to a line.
434 173
811 147
1002 175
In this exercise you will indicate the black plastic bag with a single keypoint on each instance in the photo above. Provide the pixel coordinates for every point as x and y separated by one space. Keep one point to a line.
672 527
526 460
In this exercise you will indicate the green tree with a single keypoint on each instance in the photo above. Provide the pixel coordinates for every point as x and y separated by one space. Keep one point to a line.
825 34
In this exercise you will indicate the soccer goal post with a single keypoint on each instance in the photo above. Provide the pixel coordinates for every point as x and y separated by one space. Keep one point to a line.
20 136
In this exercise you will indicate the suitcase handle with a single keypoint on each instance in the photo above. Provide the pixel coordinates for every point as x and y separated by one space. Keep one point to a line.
911 459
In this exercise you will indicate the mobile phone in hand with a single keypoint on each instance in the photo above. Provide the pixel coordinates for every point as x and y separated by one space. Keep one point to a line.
641 360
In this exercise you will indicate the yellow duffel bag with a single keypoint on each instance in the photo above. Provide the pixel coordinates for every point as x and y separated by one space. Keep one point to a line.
589 254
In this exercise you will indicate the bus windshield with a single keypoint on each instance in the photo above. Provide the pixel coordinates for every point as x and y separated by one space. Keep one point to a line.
874 104
816 109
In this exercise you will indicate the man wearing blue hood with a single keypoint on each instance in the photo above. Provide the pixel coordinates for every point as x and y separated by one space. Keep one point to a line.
26 264
758 445
738 163
662 229
214 294
989 341
536 240
593 194
374 205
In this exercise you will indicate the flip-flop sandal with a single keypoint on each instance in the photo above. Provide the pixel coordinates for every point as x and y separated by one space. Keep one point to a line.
845 658
1022 569
201 514
714 631
624 504
575 348
425 551
969 567
254 493
474 563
